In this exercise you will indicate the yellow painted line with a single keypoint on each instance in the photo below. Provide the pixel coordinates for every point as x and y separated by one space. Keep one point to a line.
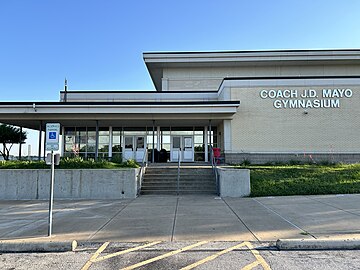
212 257
258 256
93 257
251 265
125 251
164 255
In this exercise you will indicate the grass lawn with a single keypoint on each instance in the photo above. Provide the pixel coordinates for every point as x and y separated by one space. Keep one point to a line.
304 179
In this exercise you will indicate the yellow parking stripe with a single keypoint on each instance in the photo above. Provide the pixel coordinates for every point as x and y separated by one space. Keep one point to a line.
258 256
164 256
251 265
125 251
212 257
93 257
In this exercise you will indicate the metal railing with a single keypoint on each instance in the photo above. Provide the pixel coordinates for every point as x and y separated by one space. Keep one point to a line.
178 174
140 175
215 170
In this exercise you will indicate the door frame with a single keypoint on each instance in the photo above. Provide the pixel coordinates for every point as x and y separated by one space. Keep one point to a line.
125 156
136 155
182 148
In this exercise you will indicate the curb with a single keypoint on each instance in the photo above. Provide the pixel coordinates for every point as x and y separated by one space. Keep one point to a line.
26 246
317 244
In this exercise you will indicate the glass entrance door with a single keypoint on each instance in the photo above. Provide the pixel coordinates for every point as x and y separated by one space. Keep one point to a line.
134 147
128 147
175 152
188 148
182 147
139 148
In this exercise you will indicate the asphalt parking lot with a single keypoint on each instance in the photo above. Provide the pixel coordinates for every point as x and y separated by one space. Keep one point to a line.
174 255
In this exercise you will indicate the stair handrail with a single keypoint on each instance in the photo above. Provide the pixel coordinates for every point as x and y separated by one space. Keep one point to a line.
140 175
215 169
178 174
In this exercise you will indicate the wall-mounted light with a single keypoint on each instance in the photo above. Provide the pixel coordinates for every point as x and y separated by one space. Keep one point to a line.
34 107
305 112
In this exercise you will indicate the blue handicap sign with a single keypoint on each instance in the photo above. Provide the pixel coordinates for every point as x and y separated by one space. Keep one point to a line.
52 135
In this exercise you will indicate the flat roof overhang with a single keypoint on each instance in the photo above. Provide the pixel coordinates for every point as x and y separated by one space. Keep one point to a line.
131 114
157 61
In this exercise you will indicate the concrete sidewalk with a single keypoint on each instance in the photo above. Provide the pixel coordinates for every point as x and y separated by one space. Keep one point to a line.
172 218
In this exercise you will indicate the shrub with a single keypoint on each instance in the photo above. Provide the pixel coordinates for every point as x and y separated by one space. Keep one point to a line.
68 163
294 162
130 164
246 162
22 164
116 158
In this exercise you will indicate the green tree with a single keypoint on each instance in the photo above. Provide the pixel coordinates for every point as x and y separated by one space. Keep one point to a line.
10 135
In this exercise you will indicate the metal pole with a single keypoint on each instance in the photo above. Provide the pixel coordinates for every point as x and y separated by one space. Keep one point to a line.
210 132
210 142
40 133
97 140
65 88
20 143
63 141
44 148
206 144
153 146
110 142
51 199
178 175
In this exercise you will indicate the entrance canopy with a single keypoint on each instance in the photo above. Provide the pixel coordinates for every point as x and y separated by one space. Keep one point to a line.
33 114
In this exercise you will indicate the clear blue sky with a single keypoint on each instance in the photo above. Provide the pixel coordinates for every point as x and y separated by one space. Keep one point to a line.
98 44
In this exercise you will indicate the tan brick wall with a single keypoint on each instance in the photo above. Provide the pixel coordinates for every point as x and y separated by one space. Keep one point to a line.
259 127
209 78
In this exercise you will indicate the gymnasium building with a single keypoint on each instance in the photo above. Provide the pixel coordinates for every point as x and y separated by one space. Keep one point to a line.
254 106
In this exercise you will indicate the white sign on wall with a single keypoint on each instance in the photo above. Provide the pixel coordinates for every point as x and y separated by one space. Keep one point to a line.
306 99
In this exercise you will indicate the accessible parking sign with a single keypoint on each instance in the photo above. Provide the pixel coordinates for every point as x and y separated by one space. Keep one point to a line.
52 136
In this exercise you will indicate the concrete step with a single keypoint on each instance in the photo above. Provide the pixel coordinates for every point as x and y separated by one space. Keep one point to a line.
174 192
180 189
185 182
174 187
192 181
182 178
175 174
175 171
157 183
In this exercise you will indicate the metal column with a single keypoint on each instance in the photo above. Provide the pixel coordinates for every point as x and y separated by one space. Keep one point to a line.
63 141
40 135
110 142
97 140
20 143
158 143
206 144
153 141
210 137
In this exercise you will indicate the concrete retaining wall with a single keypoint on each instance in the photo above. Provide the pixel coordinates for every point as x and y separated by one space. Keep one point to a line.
234 182
69 184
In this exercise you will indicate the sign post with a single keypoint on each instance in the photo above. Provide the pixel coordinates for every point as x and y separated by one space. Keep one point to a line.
51 199
52 144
